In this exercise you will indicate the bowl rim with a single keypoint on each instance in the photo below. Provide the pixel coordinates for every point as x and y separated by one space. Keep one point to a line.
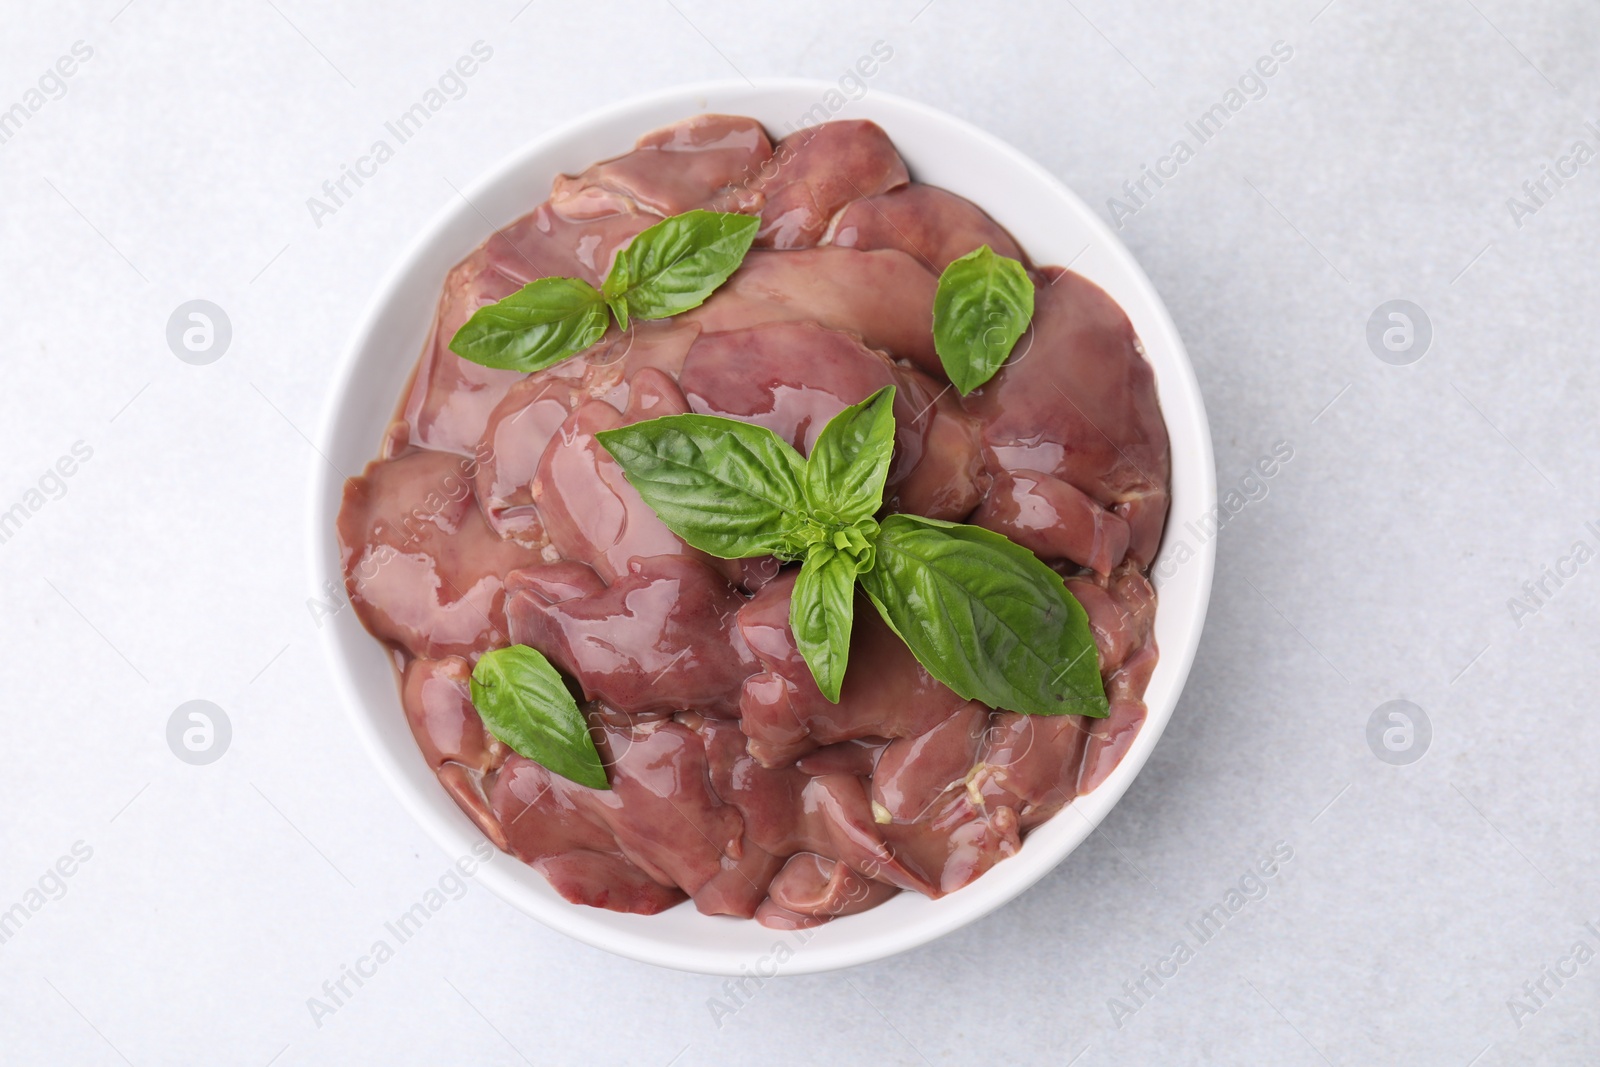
451 829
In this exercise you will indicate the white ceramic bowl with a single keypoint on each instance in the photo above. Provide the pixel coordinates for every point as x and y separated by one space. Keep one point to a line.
1050 222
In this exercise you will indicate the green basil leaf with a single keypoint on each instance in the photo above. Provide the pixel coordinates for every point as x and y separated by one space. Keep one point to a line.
983 304
524 703
986 617
821 610
726 487
675 264
850 461
535 327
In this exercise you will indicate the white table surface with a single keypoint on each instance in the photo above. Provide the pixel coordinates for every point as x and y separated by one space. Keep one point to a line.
1378 565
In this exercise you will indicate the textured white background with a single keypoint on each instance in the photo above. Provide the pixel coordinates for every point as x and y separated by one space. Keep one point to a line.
1378 566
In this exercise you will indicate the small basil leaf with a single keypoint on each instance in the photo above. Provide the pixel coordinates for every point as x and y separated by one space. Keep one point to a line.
983 304
821 610
619 308
726 487
675 264
850 461
985 617
524 703
535 327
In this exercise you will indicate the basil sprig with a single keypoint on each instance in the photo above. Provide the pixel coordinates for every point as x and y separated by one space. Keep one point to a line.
982 306
737 490
983 615
666 269
525 704
675 264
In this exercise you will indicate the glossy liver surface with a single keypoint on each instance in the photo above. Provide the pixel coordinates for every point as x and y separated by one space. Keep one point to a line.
493 517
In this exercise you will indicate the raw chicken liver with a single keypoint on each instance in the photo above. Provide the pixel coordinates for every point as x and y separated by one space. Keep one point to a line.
493 517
